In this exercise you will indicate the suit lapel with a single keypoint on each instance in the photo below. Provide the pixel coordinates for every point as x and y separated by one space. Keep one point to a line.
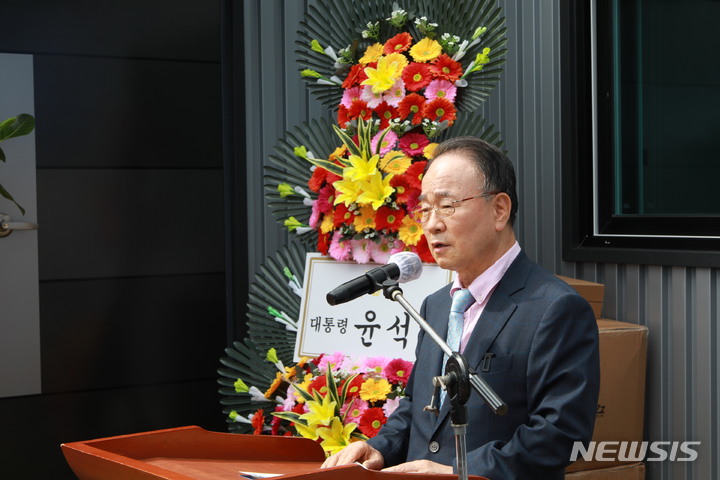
497 312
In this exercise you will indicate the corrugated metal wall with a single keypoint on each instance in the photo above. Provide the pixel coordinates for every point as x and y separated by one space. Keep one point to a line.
679 305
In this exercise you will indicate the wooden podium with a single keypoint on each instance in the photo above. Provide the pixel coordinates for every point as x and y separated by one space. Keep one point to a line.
192 453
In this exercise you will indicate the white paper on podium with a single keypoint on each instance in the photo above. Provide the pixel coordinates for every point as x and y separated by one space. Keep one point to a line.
369 326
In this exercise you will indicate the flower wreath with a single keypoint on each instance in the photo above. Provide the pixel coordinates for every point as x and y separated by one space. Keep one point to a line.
348 188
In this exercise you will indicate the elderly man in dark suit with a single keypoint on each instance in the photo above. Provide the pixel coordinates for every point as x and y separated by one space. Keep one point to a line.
533 339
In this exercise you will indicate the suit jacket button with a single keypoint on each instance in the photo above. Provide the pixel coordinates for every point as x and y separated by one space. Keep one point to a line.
434 446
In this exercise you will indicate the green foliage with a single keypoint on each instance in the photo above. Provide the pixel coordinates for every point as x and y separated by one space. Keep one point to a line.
23 124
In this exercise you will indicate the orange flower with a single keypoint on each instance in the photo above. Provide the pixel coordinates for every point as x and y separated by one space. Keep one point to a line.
416 76
399 43
359 109
446 68
440 109
412 104
258 421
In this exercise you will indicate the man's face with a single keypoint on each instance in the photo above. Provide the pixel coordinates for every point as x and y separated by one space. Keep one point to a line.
466 242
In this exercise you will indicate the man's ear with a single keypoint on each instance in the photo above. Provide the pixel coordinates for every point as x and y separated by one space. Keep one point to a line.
502 206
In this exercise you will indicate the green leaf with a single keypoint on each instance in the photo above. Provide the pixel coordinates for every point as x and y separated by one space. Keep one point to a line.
16 126
7 195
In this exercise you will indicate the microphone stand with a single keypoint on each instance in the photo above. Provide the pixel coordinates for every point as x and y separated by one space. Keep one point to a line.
457 380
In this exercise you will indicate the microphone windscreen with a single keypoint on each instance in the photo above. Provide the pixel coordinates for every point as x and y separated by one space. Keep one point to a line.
409 264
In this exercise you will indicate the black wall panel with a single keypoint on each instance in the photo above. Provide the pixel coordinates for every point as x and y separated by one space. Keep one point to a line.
127 222
110 112
131 331
130 206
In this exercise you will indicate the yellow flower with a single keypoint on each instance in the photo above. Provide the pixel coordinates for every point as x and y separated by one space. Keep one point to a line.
366 219
372 53
320 413
429 150
425 50
327 223
349 191
384 76
375 190
307 432
240 386
361 168
410 231
375 390
304 386
336 437
395 162
400 58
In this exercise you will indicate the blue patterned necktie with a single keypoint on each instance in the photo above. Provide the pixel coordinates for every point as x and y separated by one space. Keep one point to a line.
461 301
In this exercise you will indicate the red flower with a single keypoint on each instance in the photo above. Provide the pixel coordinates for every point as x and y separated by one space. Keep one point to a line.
323 244
415 173
299 408
318 384
388 218
413 143
343 116
356 75
258 422
325 199
445 67
404 193
275 422
398 371
416 76
385 113
423 250
353 389
399 43
317 179
440 109
371 421
342 215
412 104
359 109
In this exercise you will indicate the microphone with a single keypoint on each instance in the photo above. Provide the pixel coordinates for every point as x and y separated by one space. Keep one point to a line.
402 266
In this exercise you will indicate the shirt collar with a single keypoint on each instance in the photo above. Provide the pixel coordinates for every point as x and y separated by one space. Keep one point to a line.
485 283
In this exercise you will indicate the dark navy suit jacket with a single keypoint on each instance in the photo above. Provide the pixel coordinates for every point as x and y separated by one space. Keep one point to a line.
545 367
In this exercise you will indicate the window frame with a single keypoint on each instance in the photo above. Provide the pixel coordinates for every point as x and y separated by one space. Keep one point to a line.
591 232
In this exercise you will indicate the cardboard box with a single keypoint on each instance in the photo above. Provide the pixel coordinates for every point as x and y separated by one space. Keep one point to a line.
635 471
590 291
621 403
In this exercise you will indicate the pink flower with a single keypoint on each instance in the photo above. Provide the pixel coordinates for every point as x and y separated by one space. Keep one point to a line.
388 142
376 364
339 249
354 365
314 214
371 98
333 361
354 410
349 95
413 144
360 251
395 93
380 252
390 405
398 371
442 89
289 402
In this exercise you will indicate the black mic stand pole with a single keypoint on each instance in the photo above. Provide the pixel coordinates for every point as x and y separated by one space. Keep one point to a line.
457 379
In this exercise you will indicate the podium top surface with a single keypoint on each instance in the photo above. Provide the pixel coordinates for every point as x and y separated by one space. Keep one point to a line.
192 453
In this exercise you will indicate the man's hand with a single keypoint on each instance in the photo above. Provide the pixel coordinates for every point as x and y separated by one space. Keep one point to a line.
420 466
356 452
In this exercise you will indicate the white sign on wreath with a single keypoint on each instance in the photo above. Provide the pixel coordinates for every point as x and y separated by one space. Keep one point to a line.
369 326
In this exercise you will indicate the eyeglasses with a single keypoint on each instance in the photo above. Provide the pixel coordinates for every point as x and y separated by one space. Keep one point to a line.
444 210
